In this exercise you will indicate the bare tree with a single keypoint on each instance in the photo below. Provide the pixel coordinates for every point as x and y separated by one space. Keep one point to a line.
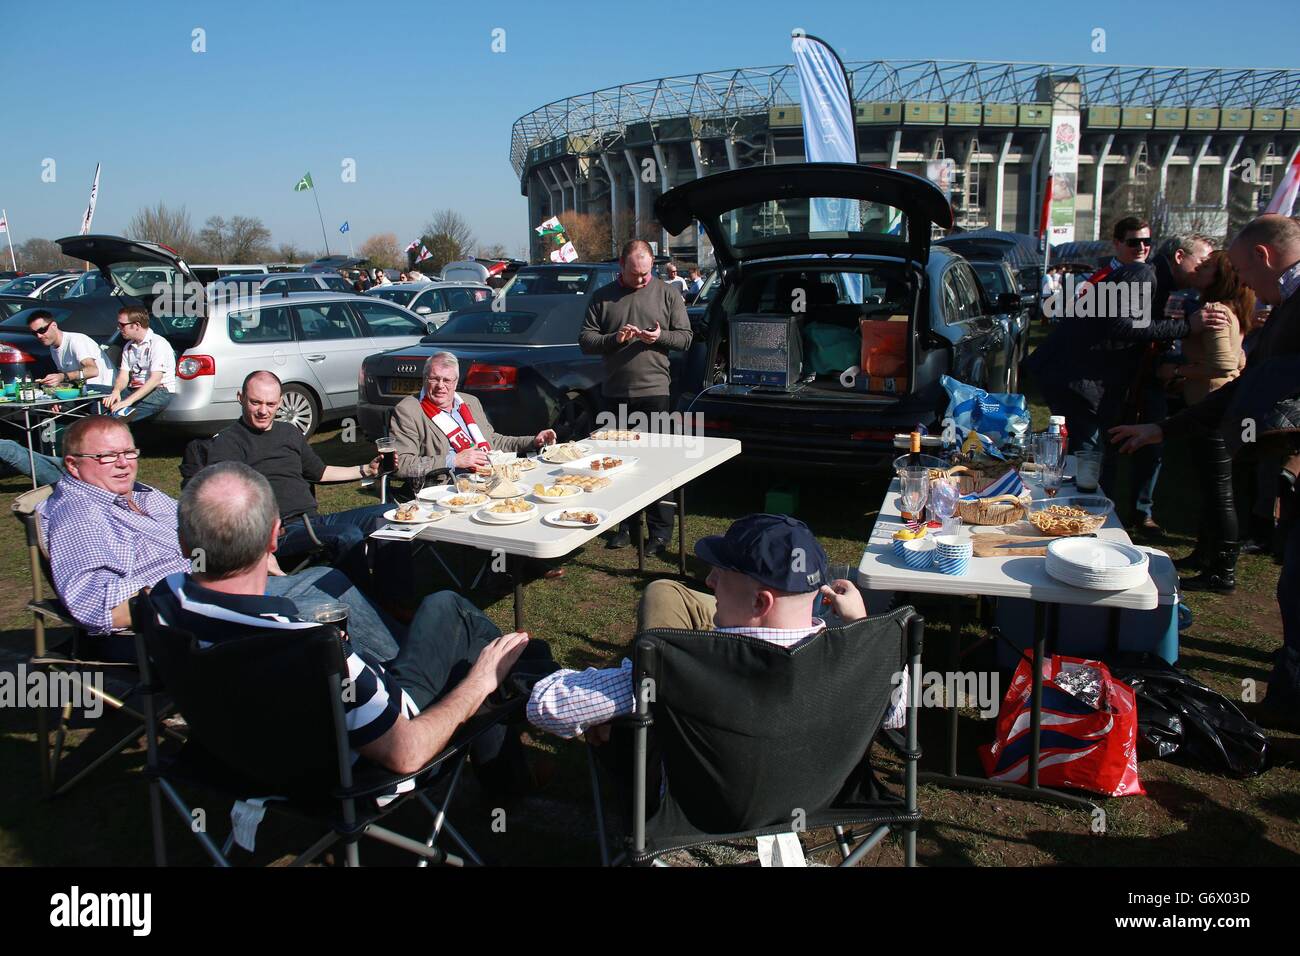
590 233
242 239
448 237
495 251
42 255
165 225
383 251
288 252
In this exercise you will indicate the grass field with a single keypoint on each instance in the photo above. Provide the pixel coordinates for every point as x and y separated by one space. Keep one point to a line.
1189 817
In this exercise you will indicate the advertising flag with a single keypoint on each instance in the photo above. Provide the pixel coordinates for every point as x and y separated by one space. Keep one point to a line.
90 209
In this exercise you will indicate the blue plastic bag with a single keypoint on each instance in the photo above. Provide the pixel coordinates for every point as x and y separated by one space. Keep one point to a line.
991 414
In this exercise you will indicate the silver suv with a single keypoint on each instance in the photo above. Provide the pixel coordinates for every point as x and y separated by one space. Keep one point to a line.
314 341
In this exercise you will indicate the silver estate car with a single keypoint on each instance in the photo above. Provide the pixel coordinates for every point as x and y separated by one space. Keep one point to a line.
433 301
314 341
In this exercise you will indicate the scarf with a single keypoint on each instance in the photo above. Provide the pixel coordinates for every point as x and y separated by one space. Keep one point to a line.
448 426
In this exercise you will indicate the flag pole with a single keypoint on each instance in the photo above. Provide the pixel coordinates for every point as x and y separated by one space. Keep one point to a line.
322 220
9 234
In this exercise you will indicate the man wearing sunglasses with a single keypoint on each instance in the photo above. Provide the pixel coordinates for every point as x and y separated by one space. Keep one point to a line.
77 358
1091 357
109 536
148 372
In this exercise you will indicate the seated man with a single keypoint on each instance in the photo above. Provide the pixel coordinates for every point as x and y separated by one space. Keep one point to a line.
401 715
768 571
280 453
110 536
148 368
441 429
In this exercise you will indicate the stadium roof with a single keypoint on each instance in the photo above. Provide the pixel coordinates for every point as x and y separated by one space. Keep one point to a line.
753 90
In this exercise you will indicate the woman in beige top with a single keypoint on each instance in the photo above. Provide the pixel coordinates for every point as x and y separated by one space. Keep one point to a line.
1214 358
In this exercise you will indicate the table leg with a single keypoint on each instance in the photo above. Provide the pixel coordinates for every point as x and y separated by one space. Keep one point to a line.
954 664
640 543
31 454
517 577
1036 685
681 530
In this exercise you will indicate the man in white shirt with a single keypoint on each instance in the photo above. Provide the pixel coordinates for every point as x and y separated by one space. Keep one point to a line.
673 279
77 358
148 368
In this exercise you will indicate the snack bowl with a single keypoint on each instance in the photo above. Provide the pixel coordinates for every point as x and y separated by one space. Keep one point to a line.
519 510
67 393
464 501
1087 513
571 493
918 554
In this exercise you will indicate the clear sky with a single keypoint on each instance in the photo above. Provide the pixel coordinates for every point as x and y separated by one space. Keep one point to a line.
424 106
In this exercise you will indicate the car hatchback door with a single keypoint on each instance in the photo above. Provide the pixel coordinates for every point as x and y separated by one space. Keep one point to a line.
333 345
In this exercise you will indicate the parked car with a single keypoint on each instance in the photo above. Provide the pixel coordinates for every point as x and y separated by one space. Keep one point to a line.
279 283
1012 307
920 306
574 278
523 364
21 353
435 301
45 285
211 272
335 264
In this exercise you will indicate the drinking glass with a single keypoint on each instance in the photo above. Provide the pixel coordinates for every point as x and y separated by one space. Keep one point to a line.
1087 469
914 483
330 612
387 448
1051 474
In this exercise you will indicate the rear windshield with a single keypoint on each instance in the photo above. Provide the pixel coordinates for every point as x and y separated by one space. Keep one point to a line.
400 296
551 282
779 221
25 285
513 327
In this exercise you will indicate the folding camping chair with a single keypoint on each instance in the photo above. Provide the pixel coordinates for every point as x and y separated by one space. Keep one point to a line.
69 656
266 718
759 740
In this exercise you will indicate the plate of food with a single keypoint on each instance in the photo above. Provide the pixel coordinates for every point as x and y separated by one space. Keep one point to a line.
464 501
617 437
601 465
577 518
510 511
413 513
587 483
434 494
555 494
566 452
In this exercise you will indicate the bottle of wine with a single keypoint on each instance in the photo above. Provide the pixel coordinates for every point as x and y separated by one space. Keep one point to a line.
914 456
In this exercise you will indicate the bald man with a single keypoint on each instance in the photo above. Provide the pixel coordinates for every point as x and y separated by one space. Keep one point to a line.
1258 414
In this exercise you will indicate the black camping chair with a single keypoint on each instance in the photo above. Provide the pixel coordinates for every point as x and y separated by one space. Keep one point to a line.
266 717
758 739
197 456
74 657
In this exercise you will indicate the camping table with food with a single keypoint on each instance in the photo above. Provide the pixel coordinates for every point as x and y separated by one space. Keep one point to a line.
1012 561
550 505
52 405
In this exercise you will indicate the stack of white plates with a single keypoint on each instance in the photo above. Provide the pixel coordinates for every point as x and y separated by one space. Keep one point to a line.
1096 564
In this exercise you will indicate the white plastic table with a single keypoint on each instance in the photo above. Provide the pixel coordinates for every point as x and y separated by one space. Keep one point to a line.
665 464
1012 577
45 407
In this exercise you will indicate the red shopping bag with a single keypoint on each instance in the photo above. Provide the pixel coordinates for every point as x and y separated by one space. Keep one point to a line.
1088 736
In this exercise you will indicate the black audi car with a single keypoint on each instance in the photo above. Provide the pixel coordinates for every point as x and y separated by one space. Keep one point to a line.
833 319
522 363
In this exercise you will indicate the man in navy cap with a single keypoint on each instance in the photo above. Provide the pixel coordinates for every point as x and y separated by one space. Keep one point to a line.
767 573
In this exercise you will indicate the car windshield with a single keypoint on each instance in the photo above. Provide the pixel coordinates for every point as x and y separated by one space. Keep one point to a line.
24 285
558 326
90 283
778 221
993 278
706 290
400 296
139 278
549 282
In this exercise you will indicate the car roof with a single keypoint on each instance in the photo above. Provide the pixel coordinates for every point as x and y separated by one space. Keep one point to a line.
433 284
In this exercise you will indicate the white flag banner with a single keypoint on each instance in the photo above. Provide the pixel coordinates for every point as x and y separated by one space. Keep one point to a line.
1283 200
4 224
90 209
566 253
424 254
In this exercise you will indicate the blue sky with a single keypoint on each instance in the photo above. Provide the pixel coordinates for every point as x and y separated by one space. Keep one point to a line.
424 106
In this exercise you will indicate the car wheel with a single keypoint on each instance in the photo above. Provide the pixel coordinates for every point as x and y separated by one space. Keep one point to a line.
298 408
576 418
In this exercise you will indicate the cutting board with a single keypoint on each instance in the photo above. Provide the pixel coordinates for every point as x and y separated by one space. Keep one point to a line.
1009 545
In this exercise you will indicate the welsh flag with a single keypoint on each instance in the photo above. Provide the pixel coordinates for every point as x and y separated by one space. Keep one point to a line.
1283 200
304 184
550 227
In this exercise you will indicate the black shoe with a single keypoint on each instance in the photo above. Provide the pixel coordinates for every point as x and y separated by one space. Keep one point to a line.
656 546
1191 562
1212 582
620 540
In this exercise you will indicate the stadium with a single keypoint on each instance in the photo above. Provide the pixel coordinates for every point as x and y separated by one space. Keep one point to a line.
1194 148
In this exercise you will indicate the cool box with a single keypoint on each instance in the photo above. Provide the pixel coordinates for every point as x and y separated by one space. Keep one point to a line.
765 350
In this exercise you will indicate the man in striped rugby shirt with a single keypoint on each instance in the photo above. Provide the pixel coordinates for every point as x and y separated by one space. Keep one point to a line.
401 715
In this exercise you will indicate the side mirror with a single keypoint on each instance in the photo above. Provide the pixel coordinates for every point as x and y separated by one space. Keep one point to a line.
424 310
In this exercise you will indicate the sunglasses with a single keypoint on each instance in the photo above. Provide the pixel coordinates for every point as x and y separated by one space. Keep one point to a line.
43 329
1137 243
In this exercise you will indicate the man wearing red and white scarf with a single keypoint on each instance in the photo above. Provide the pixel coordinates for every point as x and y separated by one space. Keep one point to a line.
442 429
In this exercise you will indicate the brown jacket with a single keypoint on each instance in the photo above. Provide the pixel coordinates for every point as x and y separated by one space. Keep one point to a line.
421 445
1214 358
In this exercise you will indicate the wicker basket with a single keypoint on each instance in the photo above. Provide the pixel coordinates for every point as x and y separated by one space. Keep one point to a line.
1003 509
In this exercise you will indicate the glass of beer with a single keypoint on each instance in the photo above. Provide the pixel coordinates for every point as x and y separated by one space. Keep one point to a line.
331 612
387 448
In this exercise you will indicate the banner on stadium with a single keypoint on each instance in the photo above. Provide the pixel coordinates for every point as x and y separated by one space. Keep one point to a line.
1063 176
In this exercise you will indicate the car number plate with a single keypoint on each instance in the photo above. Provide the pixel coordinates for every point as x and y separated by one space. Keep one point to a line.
403 386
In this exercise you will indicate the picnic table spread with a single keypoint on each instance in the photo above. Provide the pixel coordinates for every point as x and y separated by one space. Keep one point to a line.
664 465
44 411
1011 577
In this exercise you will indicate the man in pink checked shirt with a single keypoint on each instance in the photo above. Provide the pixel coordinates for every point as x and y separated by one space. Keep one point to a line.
768 572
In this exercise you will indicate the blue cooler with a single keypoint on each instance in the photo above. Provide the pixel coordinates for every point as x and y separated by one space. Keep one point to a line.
1084 631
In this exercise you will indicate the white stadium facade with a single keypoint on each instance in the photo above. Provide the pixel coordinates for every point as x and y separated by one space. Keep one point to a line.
1196 145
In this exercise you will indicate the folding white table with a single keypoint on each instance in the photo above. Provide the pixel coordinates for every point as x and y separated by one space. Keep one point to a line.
665 465
1012 577
45 408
